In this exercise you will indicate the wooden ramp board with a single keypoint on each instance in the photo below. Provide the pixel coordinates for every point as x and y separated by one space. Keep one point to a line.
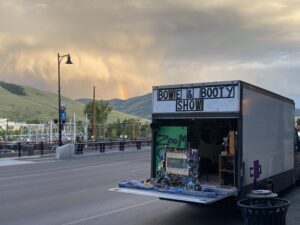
226 192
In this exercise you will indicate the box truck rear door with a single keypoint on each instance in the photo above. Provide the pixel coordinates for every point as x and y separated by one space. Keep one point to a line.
189 197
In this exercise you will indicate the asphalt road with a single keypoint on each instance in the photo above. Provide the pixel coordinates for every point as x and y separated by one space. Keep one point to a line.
76 191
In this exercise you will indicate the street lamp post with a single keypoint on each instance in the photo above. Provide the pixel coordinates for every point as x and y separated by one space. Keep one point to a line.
59 58
6 131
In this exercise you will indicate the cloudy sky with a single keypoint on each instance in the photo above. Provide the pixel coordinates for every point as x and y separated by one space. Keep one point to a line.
124 47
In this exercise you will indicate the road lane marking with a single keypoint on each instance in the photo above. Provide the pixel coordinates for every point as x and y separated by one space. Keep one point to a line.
10 162
110 212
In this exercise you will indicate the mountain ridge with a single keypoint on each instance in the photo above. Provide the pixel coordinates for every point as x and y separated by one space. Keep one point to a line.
24 103
140 106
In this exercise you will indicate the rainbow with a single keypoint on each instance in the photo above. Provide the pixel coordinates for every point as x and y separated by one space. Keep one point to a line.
123 91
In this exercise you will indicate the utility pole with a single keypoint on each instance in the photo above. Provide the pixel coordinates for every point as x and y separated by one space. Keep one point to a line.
6 131
29 132
133 132
94 114
47 132
74 128
138 129
36 134
104 131
86 128
21 133
51 137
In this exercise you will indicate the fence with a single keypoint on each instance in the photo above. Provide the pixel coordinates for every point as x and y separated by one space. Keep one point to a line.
30 149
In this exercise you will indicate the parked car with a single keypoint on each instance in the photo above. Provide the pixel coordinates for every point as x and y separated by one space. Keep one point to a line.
7 151
53 148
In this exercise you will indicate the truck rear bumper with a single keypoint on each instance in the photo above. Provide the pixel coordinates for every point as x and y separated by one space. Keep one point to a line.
189 197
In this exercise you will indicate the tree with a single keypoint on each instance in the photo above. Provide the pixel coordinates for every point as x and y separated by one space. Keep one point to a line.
102 110
298 121
79 131
131 128
13 88
33 121
145 130
119 127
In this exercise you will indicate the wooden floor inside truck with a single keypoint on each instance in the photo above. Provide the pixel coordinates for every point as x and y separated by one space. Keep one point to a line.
210 179
215 180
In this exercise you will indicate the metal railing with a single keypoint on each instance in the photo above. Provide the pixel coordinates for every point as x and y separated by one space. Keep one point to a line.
103 146
30 149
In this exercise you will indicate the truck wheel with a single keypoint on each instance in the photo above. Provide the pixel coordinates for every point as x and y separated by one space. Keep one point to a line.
270 185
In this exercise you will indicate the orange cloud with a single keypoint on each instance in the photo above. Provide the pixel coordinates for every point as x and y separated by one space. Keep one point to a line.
124 47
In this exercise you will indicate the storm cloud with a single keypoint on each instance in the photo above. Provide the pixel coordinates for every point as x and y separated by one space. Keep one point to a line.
123 47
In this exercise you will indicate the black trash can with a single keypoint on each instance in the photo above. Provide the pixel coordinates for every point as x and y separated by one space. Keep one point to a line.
264 211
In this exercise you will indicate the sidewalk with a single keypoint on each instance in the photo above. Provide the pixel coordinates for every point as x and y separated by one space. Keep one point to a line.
46 157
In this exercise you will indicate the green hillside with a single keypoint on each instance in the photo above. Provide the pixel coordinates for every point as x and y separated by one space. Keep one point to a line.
140 106
33 104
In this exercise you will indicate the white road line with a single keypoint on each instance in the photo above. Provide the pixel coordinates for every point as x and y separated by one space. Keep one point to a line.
10 162
110 212
44 161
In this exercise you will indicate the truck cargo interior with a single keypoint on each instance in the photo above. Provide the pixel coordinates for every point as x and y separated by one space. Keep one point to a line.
210 137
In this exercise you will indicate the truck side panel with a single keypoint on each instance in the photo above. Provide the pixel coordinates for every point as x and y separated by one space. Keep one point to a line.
267 143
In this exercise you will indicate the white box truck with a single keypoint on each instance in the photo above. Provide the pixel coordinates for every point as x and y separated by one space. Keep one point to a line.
219 139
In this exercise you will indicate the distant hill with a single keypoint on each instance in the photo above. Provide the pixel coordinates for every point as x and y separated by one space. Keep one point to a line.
140 106
33 104
22 103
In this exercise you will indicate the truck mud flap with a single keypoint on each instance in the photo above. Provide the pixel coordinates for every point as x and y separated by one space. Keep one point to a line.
222 193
